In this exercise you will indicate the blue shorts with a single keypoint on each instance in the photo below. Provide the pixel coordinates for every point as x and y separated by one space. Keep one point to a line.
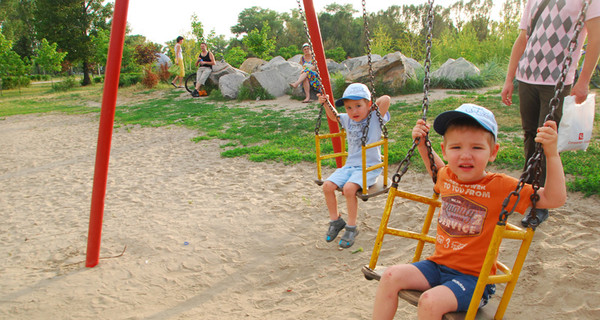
462 285
353 174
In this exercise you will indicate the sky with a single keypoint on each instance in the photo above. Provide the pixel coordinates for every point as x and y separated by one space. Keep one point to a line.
161 21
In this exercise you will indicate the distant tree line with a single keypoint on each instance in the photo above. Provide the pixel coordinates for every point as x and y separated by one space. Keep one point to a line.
74 34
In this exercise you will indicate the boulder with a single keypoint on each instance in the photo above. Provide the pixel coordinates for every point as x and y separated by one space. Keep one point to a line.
271 80
230 84
456 69
354 63
221 69
393 70
252 64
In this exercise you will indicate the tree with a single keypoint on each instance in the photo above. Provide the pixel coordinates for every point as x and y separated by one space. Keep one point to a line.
259 43
48 58
10 62
254 18
16 19
235 56
381 43
100 43
70 23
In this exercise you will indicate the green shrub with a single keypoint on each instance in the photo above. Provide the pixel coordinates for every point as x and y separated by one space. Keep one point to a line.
338 54
15 82
98 79
247 93
129 79
338 84
64 85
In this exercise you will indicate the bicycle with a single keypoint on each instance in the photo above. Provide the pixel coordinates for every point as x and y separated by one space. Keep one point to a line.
595 80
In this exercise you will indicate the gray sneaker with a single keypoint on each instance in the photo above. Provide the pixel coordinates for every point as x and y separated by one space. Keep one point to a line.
334 228
347 239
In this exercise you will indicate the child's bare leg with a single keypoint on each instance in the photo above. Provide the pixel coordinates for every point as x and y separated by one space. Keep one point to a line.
329 189
436 302
350 189
394 279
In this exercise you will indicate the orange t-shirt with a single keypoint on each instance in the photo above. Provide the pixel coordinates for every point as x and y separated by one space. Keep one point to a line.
468 215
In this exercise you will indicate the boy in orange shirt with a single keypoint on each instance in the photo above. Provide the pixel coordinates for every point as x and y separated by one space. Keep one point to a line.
471 204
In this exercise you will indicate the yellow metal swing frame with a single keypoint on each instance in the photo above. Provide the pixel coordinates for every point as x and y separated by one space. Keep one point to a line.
502 231
382 185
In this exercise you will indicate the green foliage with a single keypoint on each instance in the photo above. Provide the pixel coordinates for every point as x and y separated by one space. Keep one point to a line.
235 56
337 54
197 29
15 82
288 52
259 43
247 93
48 58
129 79
65 85
10 62
382 43
338 84
100 42
255 18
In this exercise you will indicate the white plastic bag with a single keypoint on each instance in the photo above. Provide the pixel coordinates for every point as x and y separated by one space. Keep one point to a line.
575 129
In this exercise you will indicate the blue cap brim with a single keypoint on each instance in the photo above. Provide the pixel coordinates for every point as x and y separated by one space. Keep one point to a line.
340 102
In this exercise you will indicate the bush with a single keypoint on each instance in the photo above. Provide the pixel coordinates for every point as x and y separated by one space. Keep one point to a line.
338 54
163 73
247 93
15 82
98 79
129 79
64 85
150 79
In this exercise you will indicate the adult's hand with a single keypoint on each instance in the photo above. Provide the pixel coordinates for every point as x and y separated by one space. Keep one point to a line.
507 92
580 90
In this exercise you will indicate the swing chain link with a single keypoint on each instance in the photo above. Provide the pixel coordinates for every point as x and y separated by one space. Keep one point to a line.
533 171
321 87
374 105
403 166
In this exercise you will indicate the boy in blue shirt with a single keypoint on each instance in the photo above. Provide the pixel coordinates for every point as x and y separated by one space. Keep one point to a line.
357 102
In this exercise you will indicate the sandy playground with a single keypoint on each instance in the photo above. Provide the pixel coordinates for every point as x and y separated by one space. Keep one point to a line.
190 235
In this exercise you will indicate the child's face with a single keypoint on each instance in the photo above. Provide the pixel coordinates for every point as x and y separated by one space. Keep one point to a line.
357 110
468 151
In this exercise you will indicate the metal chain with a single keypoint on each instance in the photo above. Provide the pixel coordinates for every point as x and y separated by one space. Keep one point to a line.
534 168
321 87
403 166
374 105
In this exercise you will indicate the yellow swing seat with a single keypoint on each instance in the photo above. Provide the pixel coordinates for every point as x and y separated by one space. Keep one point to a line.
506 275
380 187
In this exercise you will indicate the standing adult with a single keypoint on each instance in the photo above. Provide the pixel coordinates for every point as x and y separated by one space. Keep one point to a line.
308 77
179 62
205 61
536 60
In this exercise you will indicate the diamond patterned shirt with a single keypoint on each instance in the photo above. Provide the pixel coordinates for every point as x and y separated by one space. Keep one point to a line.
542 61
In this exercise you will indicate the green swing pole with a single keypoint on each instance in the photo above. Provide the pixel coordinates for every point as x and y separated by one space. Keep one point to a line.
317 44
107 118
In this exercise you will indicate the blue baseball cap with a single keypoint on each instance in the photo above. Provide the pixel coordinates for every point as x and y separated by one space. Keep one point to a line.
480 114
355 91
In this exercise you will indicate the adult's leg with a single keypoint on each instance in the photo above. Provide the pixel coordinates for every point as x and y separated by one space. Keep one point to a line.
306 87
201 76
301 78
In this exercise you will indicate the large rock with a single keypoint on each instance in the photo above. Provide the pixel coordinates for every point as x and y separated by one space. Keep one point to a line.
287 69
252 64
271 80
354 63
221 69
393 70
456 69
230 84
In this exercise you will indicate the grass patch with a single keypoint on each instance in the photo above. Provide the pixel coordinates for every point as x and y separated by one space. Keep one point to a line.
263 134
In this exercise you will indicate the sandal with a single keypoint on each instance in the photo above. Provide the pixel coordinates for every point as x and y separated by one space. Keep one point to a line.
306 101
347 239
334 228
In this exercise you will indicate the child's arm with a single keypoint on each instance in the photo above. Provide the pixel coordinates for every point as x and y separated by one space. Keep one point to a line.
420 130
554 194
383 103
323 100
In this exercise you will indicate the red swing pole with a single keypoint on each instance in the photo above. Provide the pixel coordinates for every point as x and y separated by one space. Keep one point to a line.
317 44
107 118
